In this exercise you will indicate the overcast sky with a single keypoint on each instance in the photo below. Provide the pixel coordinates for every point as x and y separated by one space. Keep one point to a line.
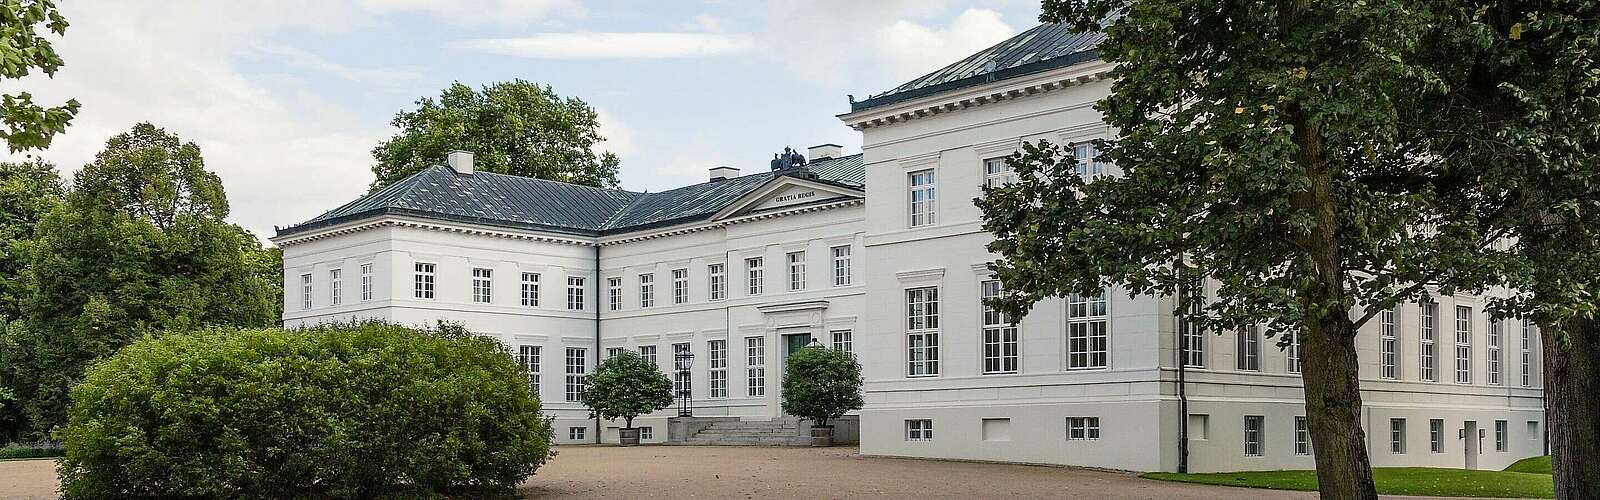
287 98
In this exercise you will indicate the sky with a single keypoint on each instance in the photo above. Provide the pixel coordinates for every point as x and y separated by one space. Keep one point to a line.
287 98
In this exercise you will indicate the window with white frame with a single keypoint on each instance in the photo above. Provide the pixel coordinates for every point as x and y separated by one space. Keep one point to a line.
575 293
1428 344
842 341
647 433
841 265
335 286
919 429
1247 347
482 285
647 290
718 282
1389 348
922 331
528 358
1526 358
680 286
530 289
305 291
366 282
755 363
577 372
797 270
612 352
1088 157
1436 435
1083 428
680 368
1293 362
1397 436
997 173
614 292
1000 344
423 280
1463 345
648 352
1500 429
924 199
717 352
1253 426
1087 331
1492 354
576 433
1302 436
1192 337
755 275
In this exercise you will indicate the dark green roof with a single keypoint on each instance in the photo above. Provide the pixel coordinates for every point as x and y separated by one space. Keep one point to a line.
524 203
1045 47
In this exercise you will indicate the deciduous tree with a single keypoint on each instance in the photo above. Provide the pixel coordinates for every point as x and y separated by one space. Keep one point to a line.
626 386
26 124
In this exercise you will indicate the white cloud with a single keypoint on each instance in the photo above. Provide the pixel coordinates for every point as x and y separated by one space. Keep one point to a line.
609 45
912 50
307 60
620 138
705 22
480 12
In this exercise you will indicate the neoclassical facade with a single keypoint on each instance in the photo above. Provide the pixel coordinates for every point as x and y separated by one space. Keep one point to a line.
882 253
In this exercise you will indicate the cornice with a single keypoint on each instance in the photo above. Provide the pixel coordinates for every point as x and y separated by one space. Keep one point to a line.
957 100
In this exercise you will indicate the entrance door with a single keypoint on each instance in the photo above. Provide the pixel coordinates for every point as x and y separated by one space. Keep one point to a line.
794 343
1469 431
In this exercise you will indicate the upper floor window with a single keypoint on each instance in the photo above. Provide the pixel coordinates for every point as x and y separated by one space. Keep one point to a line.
530 289
1248 355
1492 358
614 293
1293 364
1463 345
335 286
841 265
305 291
647 290
482 285
1000 342
924 199
1527 353
718 282
1087 331
1389 348
366 282
797 270
423 280
1430 315
922 331
680 286
575 293
756 275
997 173
1088 157
1191 334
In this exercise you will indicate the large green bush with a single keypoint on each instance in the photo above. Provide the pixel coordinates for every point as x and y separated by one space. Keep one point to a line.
821 384
343 411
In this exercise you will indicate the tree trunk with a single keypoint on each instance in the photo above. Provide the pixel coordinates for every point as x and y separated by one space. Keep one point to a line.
1572 406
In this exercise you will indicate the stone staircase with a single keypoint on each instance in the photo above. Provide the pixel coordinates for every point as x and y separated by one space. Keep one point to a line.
777 432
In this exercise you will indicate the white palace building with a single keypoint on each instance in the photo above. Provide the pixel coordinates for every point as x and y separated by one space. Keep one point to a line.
882 253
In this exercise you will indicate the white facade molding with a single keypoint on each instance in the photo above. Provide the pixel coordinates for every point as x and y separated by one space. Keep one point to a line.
973 97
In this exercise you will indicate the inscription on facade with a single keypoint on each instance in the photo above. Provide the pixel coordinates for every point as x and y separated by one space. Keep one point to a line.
794 196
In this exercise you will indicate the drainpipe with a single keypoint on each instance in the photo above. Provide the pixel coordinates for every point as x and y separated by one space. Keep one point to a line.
1183 399
597 427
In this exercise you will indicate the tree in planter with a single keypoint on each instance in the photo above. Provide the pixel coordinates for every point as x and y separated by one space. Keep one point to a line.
821 384
626 386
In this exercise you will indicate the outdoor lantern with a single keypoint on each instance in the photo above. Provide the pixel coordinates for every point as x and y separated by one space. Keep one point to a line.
815 343
683 360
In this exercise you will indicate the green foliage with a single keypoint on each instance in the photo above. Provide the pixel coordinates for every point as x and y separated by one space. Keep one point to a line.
1418 481
516 127
351 411
20 451
27 191
1531 465
23 49
626 386
821 384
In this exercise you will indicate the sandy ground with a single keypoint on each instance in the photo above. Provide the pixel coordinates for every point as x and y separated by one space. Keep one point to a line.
748 472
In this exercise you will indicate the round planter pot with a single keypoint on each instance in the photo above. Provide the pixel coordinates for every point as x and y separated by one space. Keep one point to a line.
822 436
629 437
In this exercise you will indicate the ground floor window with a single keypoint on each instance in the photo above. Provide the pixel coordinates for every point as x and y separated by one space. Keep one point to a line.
1302 436
755 351
528 357
1083 428
1436 435
842 342
1397 435
1252 435
577 372
718 351
1500 435
919 429
647 433
576 433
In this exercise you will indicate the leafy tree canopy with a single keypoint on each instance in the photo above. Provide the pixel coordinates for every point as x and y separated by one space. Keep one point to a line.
821 384
516 127
27 191
626 386
24 49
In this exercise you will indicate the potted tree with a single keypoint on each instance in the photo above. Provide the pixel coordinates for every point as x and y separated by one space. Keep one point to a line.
820 385
626 386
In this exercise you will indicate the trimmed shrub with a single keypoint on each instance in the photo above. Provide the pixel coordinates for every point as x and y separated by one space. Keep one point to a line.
626 386
340 411
821 384
17 450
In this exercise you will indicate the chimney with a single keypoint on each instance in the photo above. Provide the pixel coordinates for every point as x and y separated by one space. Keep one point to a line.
460 161
821 151
723 173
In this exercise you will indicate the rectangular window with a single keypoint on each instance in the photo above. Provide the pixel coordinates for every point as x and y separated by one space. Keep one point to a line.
924 199
718 274
528 358
680 369
756 275
1302 436
576 433
1533 430
305 291
1087 334
1389 357
577 372
1436 435
335 284
1083 428
922 332
755 362
647 433
1088 157
575 293
1397 436
999 334
1192 337
797 270
612 352
366 282
1253 425
841 266
1293 360
1496 333
647 290
648 352
1500 429
717 352
1463 345
997 173
680 286
614 293
1527 353
919 429
1248 357
482 285
1430 316
842 341
530 289
423 280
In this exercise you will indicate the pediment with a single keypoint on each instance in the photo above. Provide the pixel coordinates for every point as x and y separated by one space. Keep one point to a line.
786 192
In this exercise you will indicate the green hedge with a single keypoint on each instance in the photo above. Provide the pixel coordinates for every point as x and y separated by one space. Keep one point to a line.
13 451
343 411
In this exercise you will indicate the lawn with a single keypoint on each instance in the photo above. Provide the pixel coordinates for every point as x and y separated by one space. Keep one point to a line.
1536 465
1423 481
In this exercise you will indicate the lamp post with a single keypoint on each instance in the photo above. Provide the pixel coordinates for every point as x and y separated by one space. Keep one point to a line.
682 361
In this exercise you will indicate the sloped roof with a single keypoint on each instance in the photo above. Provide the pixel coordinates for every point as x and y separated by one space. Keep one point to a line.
524 203
1045 47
